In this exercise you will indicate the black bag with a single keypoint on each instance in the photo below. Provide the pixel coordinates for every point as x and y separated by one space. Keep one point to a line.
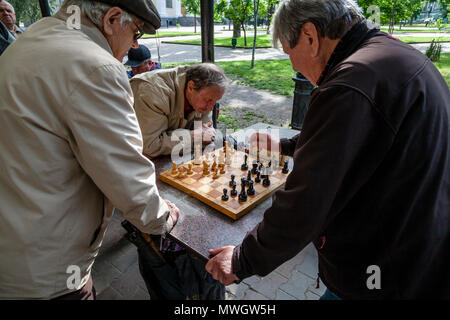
172 274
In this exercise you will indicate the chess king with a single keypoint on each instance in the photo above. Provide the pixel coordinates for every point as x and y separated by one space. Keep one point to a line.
178 98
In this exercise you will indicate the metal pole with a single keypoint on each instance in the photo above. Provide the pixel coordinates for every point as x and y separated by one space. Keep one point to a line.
45 8
207 30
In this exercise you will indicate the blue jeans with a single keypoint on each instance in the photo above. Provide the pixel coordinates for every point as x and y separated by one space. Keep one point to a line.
328 295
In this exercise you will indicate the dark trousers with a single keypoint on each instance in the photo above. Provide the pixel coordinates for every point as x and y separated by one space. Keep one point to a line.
85 293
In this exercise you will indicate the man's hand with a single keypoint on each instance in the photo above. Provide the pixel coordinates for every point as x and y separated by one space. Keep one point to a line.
174 212
220 265
264 141
208 132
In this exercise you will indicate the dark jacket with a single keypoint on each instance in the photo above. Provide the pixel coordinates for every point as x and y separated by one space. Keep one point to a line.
370 183
6 37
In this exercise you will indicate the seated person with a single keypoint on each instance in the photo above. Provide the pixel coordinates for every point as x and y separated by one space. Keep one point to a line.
140 61
169 99
6 37
8 17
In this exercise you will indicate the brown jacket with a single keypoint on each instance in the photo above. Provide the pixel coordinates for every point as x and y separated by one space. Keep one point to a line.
159 105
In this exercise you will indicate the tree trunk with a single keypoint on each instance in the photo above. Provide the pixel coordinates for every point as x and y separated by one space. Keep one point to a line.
245 36
269 18
236 29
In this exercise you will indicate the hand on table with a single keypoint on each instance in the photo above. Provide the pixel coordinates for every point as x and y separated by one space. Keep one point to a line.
174 212
220 267
264 141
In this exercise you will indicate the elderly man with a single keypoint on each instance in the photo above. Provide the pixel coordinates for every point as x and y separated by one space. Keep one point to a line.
8 17
71 148
140 61
370 183
170 99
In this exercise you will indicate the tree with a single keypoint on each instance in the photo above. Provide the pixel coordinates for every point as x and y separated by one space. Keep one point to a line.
192 6
29 10
267 9
239 11
255 23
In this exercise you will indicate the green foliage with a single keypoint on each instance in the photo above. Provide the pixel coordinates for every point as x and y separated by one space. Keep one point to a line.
29 10
434 51
191 6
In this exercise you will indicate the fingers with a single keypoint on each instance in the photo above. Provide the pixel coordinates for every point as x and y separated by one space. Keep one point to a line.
213 252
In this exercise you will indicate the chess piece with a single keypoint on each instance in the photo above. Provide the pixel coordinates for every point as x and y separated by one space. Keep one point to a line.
232 182
266 181
216 173
285 167
250 190
244 166
255 167
233 190
221 157
249 178
258 177
243 194
181 173
174 168
214 165
225 196
189 170
205 168
197 158
222 168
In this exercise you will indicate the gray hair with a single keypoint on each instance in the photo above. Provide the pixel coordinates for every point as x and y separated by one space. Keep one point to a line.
206 75
331 18
95 11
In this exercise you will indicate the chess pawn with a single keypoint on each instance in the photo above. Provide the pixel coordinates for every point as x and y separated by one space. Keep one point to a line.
181 173
222 168
205 168
266 181
258 177
189 170
250 190
285 167
233 190
255 167
216 173
225 196
174 168
232 182
243 194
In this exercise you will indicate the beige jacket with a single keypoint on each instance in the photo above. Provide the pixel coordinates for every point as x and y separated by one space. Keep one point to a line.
159 105
71 149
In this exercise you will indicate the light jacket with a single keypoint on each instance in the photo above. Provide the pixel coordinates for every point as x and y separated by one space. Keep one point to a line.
159 105
71 149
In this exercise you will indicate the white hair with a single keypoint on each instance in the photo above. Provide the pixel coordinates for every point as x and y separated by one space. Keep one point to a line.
330 17
95 11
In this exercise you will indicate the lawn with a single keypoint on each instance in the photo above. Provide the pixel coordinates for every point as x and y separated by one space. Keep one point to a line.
444 67
163 34
264 40
423 39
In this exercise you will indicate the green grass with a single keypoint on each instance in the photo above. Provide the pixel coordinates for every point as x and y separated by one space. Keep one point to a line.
397 30
444 67
264 40
163 34
423 39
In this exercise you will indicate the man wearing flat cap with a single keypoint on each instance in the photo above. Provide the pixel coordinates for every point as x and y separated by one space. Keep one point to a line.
140 61
71 148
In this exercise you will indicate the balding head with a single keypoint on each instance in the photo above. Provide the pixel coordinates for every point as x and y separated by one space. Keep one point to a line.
7 14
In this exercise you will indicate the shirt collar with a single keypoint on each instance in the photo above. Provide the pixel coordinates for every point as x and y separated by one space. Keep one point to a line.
348 45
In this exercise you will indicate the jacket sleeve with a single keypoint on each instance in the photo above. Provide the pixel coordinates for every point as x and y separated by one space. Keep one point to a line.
107 142
152 105
342 127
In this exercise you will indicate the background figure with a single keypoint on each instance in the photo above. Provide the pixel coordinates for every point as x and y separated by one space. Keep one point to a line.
6 37
170 99
8 17
140 61
370 186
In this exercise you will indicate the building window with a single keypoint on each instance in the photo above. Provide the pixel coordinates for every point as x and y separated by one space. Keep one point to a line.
169 4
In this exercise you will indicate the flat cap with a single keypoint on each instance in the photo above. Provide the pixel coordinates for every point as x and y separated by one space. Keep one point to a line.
143 9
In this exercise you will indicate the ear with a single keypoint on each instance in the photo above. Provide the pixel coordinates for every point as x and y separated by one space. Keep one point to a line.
311 37
111 20
191 86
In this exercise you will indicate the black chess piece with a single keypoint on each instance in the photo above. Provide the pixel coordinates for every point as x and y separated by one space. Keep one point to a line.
249 178
255 167
243 194
266 181
232 182
258 177
233 191
244 166
250 190
225 196
285 167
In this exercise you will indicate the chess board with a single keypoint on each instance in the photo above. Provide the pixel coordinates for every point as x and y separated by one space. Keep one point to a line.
210 191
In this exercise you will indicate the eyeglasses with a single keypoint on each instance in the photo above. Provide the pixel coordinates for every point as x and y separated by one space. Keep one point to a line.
139 33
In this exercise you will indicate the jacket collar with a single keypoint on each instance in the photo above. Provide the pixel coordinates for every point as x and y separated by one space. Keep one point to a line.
351 41
88 28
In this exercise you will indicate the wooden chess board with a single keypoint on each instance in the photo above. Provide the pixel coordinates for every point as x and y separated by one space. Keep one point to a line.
210 191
